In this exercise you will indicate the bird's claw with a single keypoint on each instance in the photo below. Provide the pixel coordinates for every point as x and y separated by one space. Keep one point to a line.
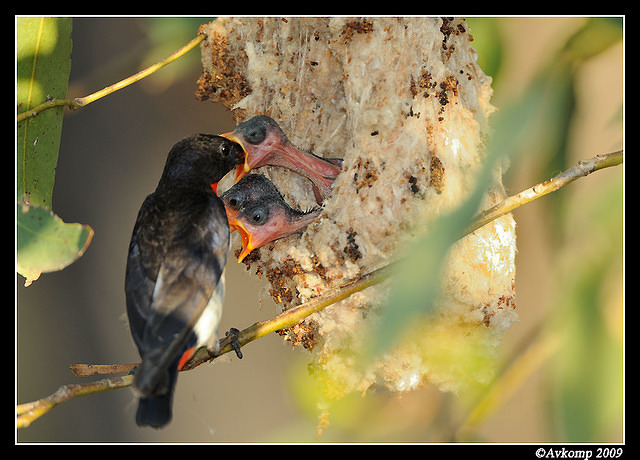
235 344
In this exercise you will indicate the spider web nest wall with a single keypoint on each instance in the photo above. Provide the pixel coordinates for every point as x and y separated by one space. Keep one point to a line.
404 103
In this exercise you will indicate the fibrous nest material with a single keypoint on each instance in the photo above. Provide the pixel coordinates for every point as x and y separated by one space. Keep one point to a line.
405 105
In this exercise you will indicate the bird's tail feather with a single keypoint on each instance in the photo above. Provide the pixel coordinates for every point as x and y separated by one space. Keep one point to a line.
156 410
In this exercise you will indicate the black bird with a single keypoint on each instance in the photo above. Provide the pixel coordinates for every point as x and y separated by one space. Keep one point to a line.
175 269
265 143
258 211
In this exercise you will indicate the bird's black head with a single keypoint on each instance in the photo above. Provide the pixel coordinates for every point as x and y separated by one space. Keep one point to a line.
253 188
257 210
253 198
255 130
201 159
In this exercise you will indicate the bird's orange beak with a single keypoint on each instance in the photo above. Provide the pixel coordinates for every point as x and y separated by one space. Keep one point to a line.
243 169
245 236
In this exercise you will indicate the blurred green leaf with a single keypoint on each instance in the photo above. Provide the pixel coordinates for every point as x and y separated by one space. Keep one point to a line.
594 37
46 243
588 369
43 67
416 284
488 43
525 122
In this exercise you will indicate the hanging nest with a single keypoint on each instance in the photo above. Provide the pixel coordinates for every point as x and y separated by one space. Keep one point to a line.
405 105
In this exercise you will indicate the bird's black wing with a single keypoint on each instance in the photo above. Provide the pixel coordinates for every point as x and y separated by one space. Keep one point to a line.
175 263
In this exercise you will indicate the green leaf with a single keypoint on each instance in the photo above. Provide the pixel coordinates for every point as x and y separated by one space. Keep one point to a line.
594 37
43 65
588 374
46 243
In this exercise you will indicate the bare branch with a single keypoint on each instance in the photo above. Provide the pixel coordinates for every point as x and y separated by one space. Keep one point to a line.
30 411
581 169
294 315
87 370
27 413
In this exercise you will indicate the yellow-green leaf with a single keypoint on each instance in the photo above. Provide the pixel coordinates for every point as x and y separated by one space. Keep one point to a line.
43 65
46 243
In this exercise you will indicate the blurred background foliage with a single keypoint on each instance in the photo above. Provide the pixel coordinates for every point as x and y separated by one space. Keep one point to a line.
582 225
563 362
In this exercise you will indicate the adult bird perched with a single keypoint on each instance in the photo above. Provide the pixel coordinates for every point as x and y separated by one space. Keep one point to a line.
175 269
265 143
258 211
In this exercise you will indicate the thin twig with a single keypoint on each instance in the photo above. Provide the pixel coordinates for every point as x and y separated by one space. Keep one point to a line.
82 101
30 411
581 169
87 370
27 413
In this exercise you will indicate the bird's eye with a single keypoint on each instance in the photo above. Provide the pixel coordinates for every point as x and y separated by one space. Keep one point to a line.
255 135
225 150
232 200
259 216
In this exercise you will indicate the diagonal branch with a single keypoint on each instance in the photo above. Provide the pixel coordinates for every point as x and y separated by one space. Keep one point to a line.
581 169
82 101
294 315
28 412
